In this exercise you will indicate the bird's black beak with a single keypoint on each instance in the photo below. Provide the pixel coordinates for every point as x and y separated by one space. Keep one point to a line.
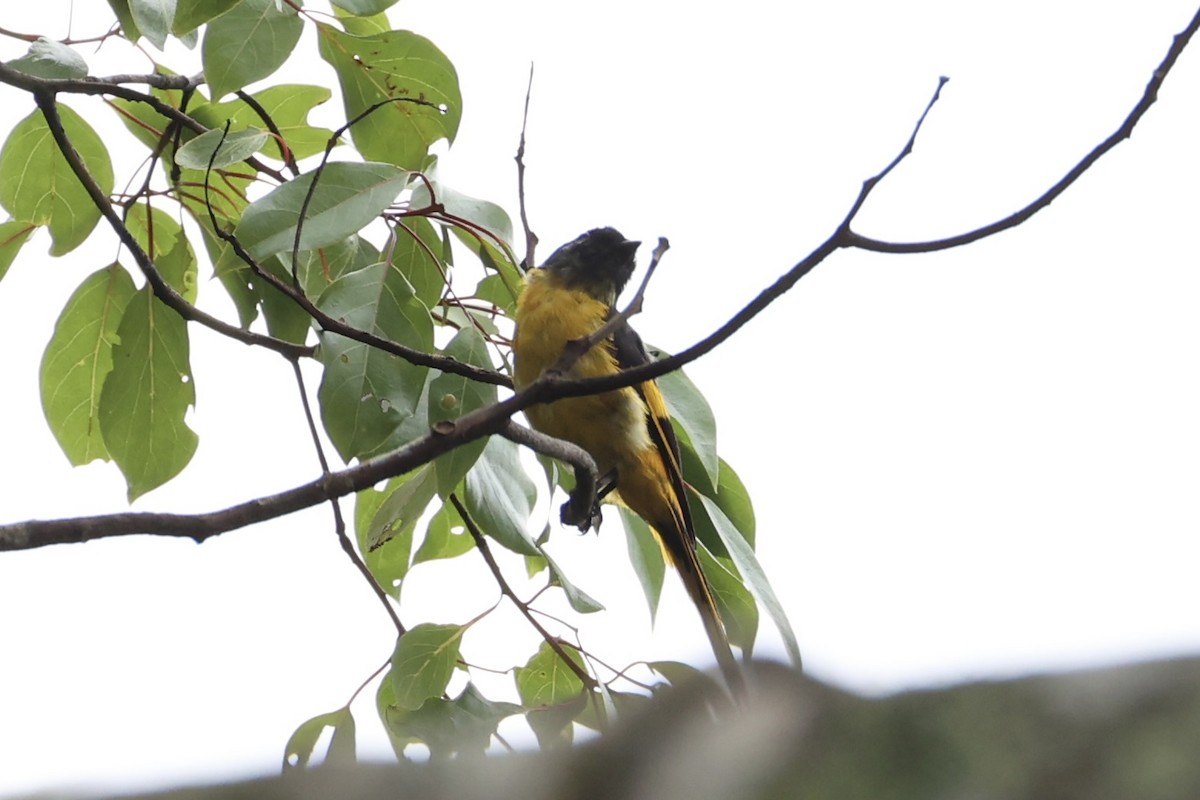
630 247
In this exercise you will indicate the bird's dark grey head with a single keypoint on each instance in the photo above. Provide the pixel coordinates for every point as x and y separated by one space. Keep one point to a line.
600 262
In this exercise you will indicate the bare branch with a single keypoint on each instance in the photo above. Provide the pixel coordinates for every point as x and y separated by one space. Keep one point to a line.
577 348
580 511
467 428
1123 132
506 590
339 521
531 239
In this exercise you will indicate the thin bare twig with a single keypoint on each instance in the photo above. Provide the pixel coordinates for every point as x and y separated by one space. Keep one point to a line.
1123 132
339 521
531 239
506 590
284 150
578 348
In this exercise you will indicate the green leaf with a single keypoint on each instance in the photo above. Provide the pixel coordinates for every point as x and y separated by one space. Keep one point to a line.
423 663
226 193
415 254
646 556
451 396
348 197
343 749
13 234
167 245
598 714
285 318
362 26
125 17
580 600
733 498
365 393
553 693
446 536
384 523
747 563
239 282
228 148
677 672
319 268
154 18
496 260
479 717
79 358
247 43
463 725
288 106
37 184
495 290
301 744
483 213
500 496
364 8
396 65
694 420
50 59
405 500
146 124
195 13
147 395
432 724
734 601
545 680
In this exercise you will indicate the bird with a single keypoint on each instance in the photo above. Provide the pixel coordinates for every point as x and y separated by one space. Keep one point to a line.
626 431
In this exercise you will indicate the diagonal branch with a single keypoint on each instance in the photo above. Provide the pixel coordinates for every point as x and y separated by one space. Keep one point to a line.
484 421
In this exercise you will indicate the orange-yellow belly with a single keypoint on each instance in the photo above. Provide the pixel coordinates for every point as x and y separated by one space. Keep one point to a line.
609 425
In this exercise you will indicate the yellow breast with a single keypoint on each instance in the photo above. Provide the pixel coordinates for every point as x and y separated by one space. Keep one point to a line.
609 426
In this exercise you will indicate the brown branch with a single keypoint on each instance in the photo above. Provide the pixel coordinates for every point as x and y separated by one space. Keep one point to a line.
531 239
162 290
339 522
284 150
845 237
467 428
331 325
112 86
581 510
481 543
1123 132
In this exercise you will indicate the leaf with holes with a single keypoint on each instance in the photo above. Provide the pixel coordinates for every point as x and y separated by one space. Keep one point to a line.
365 393
146 396
303 741
451 396
407 69
79 358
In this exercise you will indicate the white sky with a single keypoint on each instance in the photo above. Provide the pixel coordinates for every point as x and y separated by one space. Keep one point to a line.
979 462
